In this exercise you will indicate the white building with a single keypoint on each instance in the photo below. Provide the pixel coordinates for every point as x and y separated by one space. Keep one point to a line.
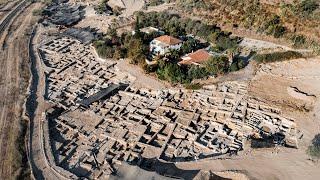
163 44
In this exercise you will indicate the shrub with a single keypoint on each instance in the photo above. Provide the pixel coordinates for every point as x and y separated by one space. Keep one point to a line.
172 72
298 40
102 7
314 149
237 64
217 65
37 12
277 56
234 67
307 7
195 72
194 86
274 27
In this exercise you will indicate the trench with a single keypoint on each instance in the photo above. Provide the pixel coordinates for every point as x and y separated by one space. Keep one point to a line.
31 102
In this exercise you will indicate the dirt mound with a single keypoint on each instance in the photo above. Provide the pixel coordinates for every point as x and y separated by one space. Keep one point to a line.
298 94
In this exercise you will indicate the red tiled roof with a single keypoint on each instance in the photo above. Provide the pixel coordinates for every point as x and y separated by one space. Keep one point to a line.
168 40
198 57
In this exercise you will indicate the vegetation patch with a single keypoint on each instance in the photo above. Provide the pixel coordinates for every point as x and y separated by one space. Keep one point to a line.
314 149
195 35
193 86
277 56
174 25
287 20
37 12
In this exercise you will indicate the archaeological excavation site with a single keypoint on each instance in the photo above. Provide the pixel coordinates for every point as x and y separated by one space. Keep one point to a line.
99 119
160 89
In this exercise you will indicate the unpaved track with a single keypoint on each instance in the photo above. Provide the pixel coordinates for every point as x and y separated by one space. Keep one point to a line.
13 86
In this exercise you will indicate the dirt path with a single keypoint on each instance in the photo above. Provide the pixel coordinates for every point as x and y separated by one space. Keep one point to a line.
13 86
142 80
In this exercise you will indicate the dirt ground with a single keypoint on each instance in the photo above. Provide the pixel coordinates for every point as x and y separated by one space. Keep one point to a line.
142 80
95 21
293 86
130 6
102 22
13 88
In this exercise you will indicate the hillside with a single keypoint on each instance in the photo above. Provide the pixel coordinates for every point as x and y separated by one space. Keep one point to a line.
295 22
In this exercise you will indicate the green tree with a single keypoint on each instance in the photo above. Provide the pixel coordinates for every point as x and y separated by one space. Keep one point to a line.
314 148
189 45
196 72
274 27
217 65
173 55
112 32
137 51
234 67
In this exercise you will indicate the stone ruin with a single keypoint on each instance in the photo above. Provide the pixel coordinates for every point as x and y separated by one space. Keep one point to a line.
129 124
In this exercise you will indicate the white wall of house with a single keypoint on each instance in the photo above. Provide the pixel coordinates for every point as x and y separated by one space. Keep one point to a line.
158 47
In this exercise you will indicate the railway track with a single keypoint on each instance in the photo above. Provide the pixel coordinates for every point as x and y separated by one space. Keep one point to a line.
11 15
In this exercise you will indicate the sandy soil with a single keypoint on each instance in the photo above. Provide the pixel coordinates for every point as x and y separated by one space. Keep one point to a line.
263 46
232 175
142 80
264 165
5 4
259 45
273 80
102 22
